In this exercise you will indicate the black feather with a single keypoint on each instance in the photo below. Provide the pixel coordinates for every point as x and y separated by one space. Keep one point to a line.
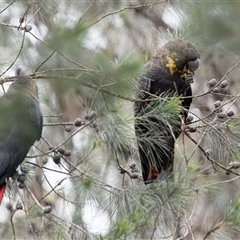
164 75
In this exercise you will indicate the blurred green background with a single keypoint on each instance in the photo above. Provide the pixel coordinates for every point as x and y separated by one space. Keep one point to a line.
85 57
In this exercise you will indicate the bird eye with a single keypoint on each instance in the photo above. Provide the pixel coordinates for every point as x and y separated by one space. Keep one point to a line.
193 65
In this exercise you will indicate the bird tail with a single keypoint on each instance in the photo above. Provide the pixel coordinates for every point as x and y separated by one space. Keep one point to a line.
156 132
2 190
157 162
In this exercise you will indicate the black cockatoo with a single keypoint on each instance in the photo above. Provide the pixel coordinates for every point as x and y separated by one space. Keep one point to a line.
170 71
20 125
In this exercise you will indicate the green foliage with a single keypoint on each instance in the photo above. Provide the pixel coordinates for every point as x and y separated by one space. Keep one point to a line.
141 209
115 128
166 108
86 56
161 113
223 141
232 214
85 189
171 109
129 226
123 227
58 232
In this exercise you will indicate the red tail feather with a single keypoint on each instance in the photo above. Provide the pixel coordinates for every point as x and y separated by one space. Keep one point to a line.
2 190
153 174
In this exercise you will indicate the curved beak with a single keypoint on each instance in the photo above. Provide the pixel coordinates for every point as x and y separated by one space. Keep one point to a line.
193 65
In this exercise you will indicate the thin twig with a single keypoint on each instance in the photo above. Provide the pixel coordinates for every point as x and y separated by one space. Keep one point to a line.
64 56
12 225
212 161
217 183
26 211
4 9
18 54
64 141
88 26
223 78
144 5
212 230
59 124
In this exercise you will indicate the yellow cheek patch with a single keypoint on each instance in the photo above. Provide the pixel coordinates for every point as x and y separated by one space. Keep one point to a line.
171 65
185 73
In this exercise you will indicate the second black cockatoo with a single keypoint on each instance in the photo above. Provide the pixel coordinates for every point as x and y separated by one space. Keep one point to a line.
20 125
170 71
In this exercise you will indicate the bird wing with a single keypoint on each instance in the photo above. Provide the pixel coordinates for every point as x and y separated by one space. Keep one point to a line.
6 124
144 87
155 135
35 116
20 127
4 163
